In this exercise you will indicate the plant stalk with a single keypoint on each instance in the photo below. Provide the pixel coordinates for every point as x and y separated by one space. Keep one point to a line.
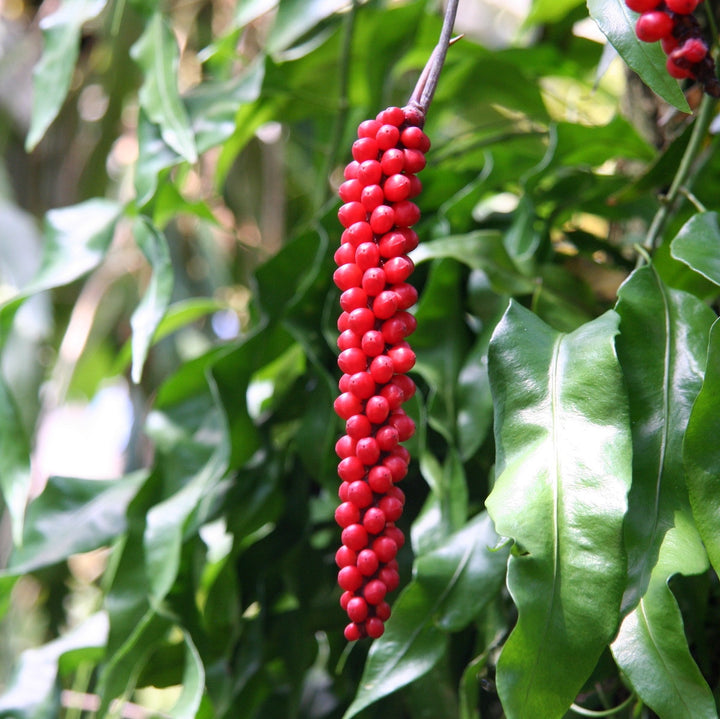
699 132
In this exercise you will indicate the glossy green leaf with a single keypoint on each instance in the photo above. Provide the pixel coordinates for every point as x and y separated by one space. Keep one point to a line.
157 54
14 461
193 682
651 648
452 584
32 693
167 522
71 516
149 313
617 21
53 74
698 245
662 348
563 458
75 240
701 454
296 17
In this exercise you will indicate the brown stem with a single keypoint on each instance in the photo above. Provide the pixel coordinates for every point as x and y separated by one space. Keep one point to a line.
427 82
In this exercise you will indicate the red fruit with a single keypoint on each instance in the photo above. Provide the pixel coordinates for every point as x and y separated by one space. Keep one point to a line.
361 320
350 191
350 579
369 172
391 507
669 43
351 212
357 609
403 424
377 410
374 591
367 450
345 446
371 197
385 548
415 139
380 479
367 255
396 188
398 269
345 254
382 219
358 233
365 149
346 514
387 137
390 578
382 611
693 50
345 557
373 345
352 360
348 340
350 469
352 632
381 369
414 161
653 26
642 5
355 537
405 384
358 426
368 128
682 7
374 281
392 116
360 494
395 534
392 245
367 563
342 491
407 297
393 395
362 385
345 599
387 438
353 298
397 466
392 162
351 170
346 405
385 305
374 627
347 276
374 521
407 213
675 70
403 359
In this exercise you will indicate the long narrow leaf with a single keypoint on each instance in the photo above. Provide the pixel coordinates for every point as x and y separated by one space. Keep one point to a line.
564 458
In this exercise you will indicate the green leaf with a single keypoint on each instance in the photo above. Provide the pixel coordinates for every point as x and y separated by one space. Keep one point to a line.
452 584
651 648
14 461
53 73
193 682
662 348
564 467
168 521
701 453
617 22
75 240
297 17
71 516
697 244
149 313
157 54
32 691
250 10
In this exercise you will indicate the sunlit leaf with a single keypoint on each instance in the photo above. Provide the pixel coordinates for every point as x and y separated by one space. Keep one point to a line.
53 74
149 313
698 245
563 461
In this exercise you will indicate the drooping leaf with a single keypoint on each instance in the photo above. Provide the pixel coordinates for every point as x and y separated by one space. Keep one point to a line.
701 454
71 516
452 584
14 461
52 76
296 17
149 313
698 245
563 457
75 240
157 53
193 682
32 693
651 648
617 21
662 348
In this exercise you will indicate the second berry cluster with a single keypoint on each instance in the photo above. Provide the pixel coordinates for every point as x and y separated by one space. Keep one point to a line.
673 23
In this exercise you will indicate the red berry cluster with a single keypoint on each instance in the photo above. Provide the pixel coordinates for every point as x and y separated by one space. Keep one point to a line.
373 268
672 23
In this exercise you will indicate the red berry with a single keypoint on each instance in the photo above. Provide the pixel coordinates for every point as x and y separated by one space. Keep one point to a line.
351 170
403 424
374 591
642 5
374 521
347 276
346 405
377 410
396 188
414 161
360 494
361 320
393 533
357 609
350 469
382 611
392 508
358 233
392 116
389 577
352 360
381 369
393 395
350 579
374 627
653 26
682 7
392 245
345 599
367 255
392 162
350 191
353 298
398 269
365 149
345 446
358 426
407 296
407 213
355 537
403 359
367 562
406 385
415 139
345 557
351 212
387 137
342 491
352 632
368 451
345 254
369 173
374 281
675 70
385 304
346 514
398 468
385 548
693 50
368 128
362 385
380 479
371 197
387 438
381 219
373 345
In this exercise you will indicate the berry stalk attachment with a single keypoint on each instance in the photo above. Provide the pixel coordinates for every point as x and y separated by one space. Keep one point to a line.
373 267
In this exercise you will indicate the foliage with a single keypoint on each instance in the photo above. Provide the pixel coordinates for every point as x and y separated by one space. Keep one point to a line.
563 497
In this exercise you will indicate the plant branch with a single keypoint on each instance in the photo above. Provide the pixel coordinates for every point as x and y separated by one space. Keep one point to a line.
427 83
699 131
